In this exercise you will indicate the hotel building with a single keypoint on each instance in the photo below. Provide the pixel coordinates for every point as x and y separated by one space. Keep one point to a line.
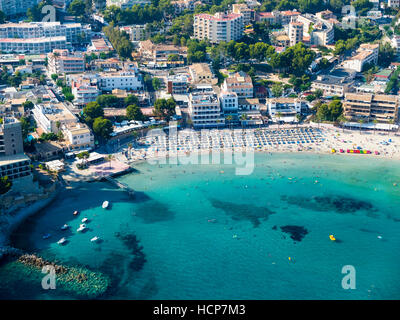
78 135
13 7
243 9
10 137
366 54
240 83
62 61
205 110
295 33
288 108
32 30
13 162
369 107
49 115
320 31
33 45
120 80
219 27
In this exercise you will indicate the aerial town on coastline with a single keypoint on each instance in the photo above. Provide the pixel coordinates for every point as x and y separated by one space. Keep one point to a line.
82 81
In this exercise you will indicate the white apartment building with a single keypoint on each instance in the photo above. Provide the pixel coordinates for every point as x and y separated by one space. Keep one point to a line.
367 53
229 102
205 110
320 31
33 45
13 7
120 80
84 93
295 33
62 61
182 5
243 9
332 86
288 108
393 3
219 27
136 32
48 116
28 30
396 43
78 135
127 4
240 83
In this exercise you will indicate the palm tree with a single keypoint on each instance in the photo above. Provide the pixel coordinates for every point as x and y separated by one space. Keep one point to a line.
361 121
298 117
130 146
391 121
279 115
243 117
229 118
342 120
110 157
375 122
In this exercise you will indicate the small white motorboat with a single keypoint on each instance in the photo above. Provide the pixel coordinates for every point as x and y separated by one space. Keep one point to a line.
81 227
95 239
65 227
105 204
62 241
85 220
76 212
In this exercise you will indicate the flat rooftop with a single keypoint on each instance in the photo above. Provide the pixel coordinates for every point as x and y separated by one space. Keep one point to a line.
6 160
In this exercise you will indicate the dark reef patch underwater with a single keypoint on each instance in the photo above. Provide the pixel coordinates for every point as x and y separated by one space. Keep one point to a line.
336 203
297 233
240 212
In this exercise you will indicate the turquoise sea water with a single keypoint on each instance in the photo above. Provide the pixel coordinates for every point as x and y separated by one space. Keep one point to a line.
201 232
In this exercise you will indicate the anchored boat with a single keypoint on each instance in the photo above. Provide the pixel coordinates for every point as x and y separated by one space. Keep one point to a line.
81 227
105 204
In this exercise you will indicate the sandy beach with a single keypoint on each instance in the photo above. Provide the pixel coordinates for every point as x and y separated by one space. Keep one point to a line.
380 144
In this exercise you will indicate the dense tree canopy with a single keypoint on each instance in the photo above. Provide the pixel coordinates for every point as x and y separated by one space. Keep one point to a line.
5 184
119 40
92 111
133 112
102 128
164 108
329 112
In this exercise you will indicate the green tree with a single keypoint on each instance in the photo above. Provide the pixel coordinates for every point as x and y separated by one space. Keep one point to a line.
323 112
5 184
133 112
108 101
277 89
77 8
131 99
156 83
28 105
335 109
164 108
102 128
2 17
92 111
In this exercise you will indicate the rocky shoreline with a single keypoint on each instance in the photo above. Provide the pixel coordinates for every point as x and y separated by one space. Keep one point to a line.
77 282
15 216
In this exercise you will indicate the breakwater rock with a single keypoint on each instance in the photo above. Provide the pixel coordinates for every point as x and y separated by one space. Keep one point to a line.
74 281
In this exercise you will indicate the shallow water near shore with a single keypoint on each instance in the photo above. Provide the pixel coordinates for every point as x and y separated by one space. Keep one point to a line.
202 232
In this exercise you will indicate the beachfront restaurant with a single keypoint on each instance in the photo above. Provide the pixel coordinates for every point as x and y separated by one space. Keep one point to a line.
371 126
94 158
